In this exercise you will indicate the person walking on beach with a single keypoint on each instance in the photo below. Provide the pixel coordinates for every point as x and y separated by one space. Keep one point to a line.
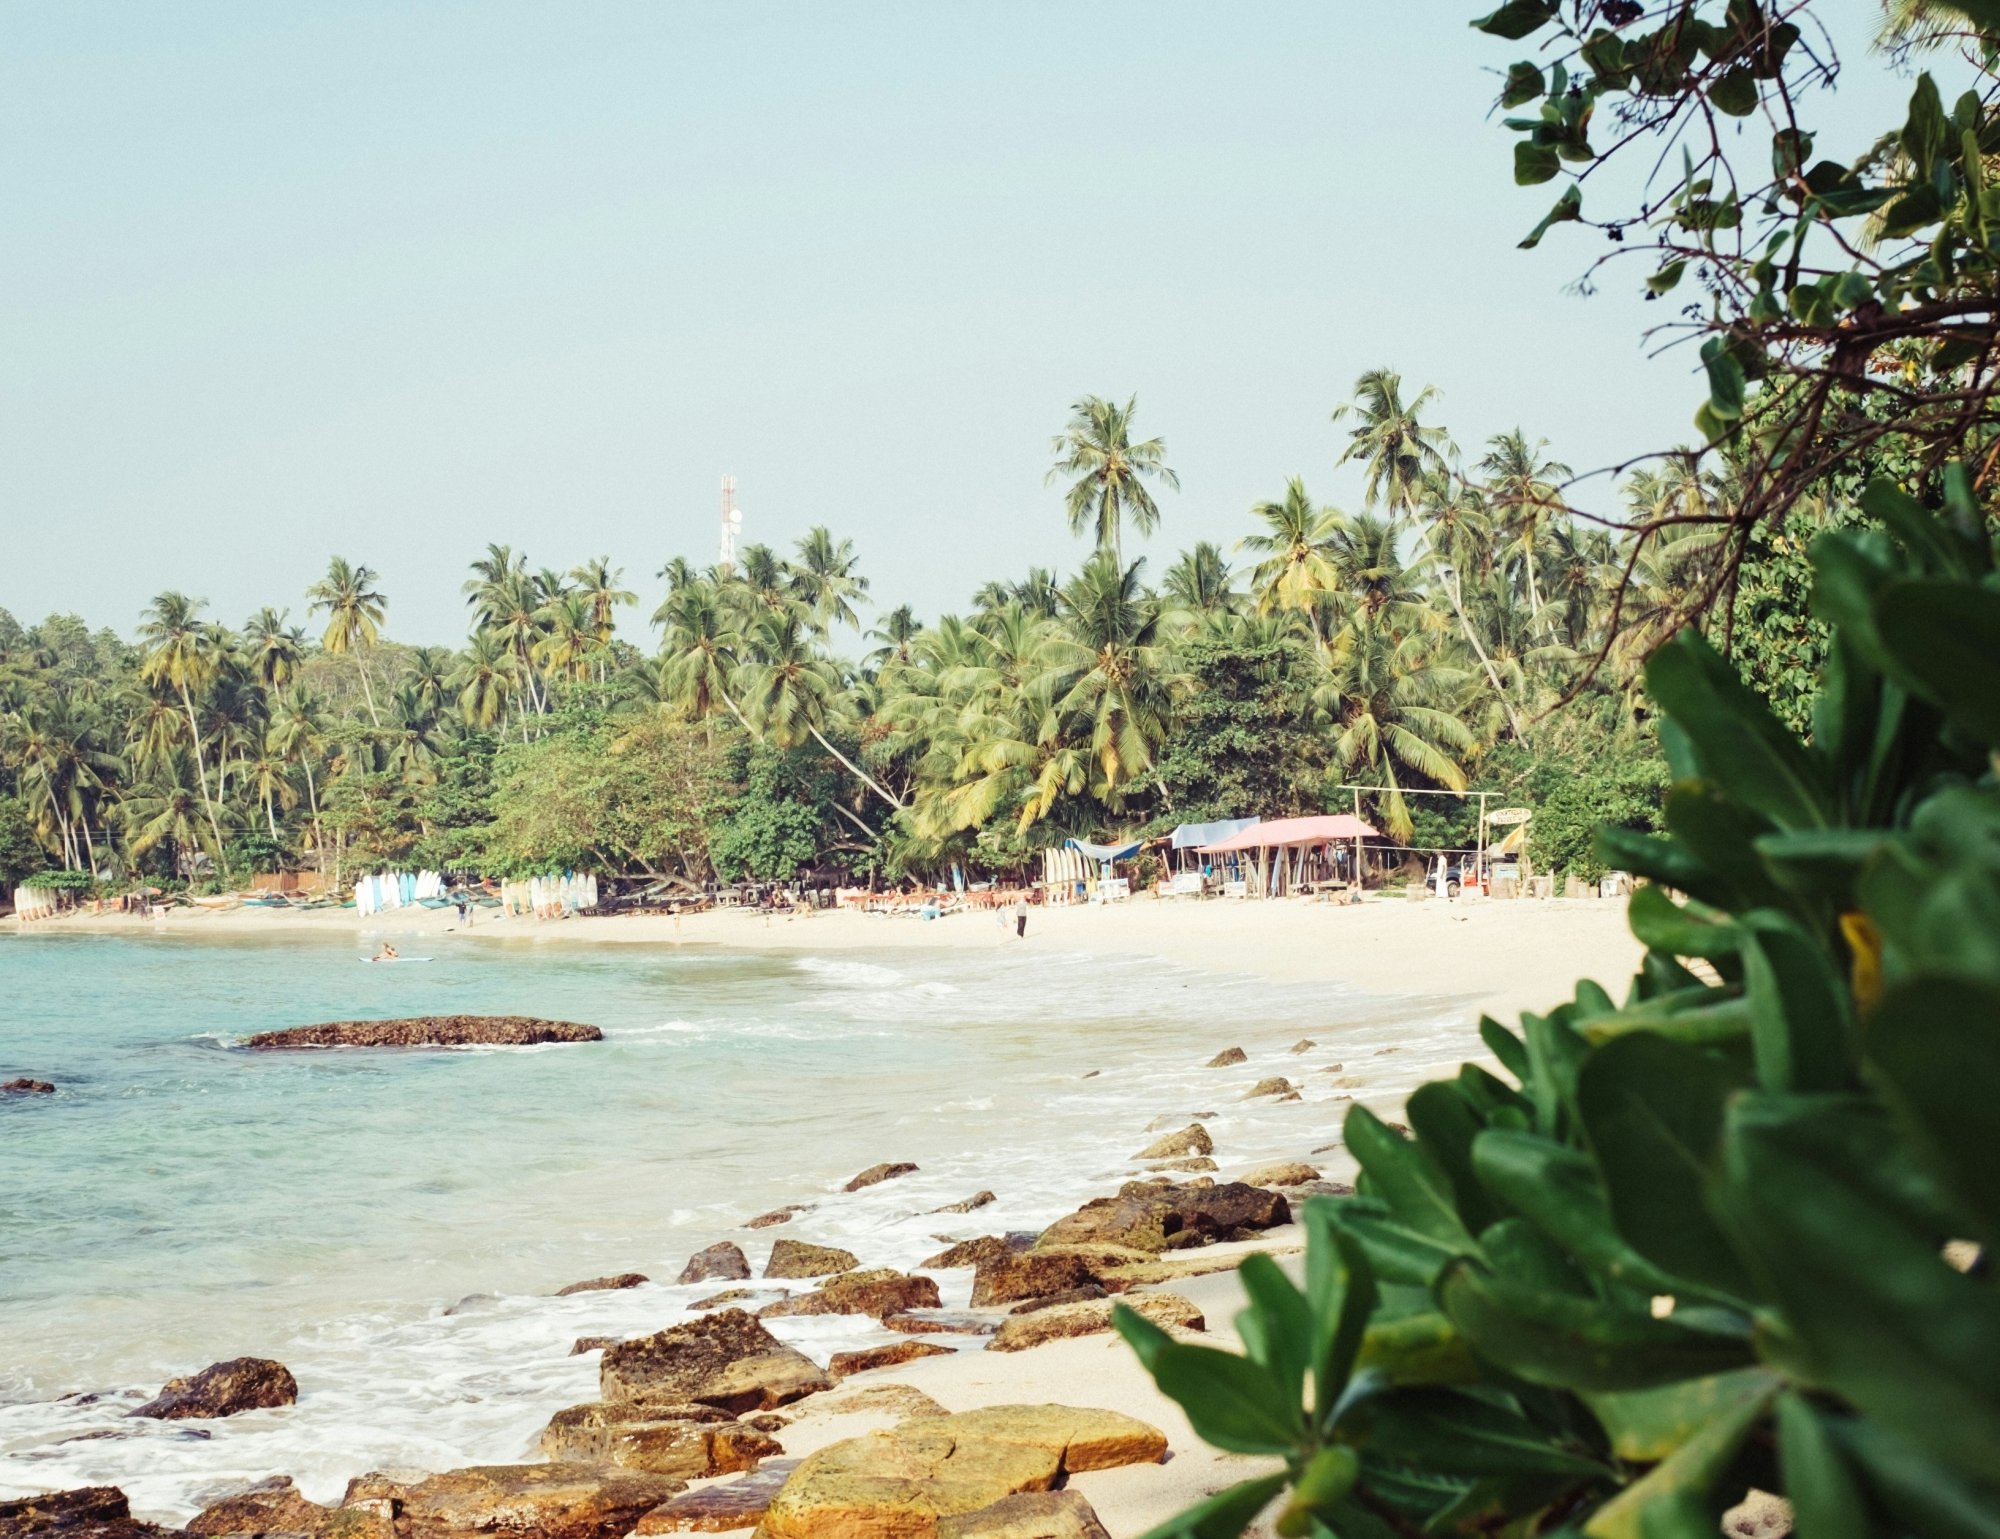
1021 917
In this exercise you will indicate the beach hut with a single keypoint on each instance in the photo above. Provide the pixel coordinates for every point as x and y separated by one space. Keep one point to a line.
1190 841
1108 886
1287 850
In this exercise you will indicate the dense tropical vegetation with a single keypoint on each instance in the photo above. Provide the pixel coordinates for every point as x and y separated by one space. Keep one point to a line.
1415 642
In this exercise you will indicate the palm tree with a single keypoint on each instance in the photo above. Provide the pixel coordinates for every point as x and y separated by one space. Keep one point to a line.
354 611
698 650
163 809
825 579
428 671
788 693
1458 540
568 637
1198 585
1391 695
486 675
269 779
298 729
601 591
899 627
1397 450
64 772
276 649
179 655
1522 484
1297 569
1111 472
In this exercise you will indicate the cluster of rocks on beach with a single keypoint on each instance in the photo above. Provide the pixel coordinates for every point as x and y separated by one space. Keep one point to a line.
688 1432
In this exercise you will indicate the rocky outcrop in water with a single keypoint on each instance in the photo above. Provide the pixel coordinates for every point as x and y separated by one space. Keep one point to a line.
1192 1139
1226 1057
795 1258
976 1200
1284 1173
877 1292
429 1031
1009 1278
518 1501
1277 1084
604 1284
723 1260
224 1389
274 1506
876 1174
726 1360
782 1215
690 1442
1156 1216
89 1512
36 1087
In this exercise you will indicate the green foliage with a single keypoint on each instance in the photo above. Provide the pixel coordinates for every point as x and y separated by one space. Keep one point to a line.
777 823
1707 1224
1243 740
21 853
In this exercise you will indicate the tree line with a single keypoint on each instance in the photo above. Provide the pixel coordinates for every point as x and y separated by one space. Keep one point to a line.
1418 642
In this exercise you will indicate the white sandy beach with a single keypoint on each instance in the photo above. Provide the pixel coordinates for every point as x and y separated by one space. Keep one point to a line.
1496 956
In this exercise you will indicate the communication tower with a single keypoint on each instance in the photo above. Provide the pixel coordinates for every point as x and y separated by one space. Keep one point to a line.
732 523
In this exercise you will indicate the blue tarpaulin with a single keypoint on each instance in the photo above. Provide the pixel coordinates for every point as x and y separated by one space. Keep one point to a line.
1195 836
1102 852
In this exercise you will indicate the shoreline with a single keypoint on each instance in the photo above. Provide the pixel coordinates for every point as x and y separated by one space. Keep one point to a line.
1490 956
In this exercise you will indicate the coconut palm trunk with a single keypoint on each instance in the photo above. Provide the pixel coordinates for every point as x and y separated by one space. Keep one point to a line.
1492 673
201 774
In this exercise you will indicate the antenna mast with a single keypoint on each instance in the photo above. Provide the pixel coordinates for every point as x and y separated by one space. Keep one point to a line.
732 523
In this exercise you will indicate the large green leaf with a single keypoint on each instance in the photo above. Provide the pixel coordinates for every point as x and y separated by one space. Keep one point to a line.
1557 1190
1516 19
1679 1487
1229 1400
1935 547
1505 1046
1517 1250
1659 858
1571 1343
1555 1052
1802 1020
1277 1328
1936 894
1406 1178
1446 1124
1707 817
1443 1429
1224 1515
1836 1215
1700 1015
1653 1110
1646 1425
1395 1253
1691 931
1826 1504
1320 1489
1341 1295
1417 1349
1742 745
1945 640
1934 1045
1924 1496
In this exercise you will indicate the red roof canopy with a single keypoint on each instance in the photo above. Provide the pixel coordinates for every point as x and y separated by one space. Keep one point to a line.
1282 831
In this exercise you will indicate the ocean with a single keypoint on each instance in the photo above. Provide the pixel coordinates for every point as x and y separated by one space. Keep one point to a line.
392 1225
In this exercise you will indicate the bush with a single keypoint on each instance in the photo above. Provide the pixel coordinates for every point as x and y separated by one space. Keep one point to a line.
21 853
1700 1243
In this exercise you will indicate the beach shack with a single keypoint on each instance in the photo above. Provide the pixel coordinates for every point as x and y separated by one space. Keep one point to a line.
1288 855
1192 867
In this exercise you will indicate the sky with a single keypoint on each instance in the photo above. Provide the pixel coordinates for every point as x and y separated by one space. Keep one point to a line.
391 282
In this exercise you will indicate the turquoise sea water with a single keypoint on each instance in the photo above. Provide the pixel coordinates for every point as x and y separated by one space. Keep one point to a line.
390 1224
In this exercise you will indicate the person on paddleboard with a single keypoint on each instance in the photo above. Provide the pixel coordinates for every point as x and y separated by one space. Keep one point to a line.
386 954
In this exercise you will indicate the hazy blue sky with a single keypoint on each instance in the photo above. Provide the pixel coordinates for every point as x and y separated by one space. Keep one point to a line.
393 281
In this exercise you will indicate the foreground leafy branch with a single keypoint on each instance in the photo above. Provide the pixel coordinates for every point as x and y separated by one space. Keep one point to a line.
1736 1230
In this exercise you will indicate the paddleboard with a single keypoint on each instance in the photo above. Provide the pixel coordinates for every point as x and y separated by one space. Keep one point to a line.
393 959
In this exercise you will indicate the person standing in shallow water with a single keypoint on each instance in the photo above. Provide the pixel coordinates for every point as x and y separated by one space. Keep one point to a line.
1021 918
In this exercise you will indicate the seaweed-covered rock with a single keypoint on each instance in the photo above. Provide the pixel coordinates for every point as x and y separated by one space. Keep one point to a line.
782 1215
686 1441
88 1512
1153 1216
274 1506
795 1258
429 1031
604 1284
725 1360
976 1200
729 1505
722 1261
1035 1274
522 1501
971 1253
224 1389
1226 1057
1192 1139
876 1174
1284 1173
877 1293
845 1364
38 1087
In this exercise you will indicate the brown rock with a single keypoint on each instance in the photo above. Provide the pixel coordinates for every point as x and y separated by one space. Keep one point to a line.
977 1200
605 1284
904 1401
734 1504
1350 1082
1017 1333
1200 1163
1031 1515
1284 1173
725 1359
582 1434
592 1344
875 1174
1333 1068
795 1258
1084 1439
860 1293
1089 1290
1277 1084
1146 1215
968 1253
531 1501
1035 1274
722 1261
900 1483
273 1506
430 1031
39 1087
778 1215
1192 1139
941 1322
731 1296
1135 1221
223 1389
1226 1057
846 1364
1304 1045
89 1512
